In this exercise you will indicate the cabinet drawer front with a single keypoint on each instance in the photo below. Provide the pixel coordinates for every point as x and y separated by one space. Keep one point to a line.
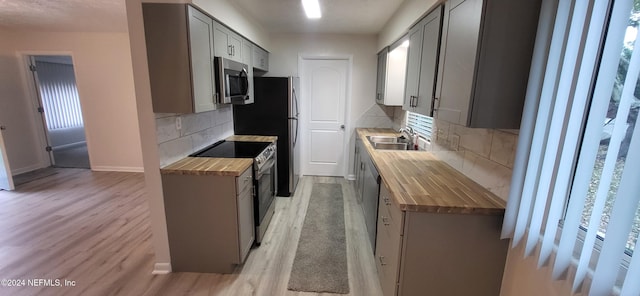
243 181
391 214
387 257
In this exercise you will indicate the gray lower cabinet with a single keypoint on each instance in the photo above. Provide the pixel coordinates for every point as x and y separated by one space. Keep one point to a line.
420 253
424 46
485 60
359 169
210 221
180 52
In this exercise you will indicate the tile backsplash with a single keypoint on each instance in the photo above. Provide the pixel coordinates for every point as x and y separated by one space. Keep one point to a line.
197 131
378 116
484 155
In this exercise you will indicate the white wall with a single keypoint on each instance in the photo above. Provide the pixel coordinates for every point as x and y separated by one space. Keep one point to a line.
409 12
236 19
105 85
523 278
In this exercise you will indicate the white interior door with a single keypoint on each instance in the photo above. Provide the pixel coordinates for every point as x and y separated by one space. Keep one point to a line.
6 180
324 85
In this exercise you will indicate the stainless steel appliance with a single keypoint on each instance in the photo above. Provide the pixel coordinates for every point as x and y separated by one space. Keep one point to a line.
275 113
264 175
232 81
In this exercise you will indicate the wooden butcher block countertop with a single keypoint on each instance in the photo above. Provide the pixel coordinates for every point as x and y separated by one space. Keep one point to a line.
216 166
420 182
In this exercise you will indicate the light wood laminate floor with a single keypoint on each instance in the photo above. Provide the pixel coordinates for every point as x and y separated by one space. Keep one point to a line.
93 228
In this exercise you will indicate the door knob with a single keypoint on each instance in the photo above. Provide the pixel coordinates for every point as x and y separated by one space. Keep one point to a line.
342 127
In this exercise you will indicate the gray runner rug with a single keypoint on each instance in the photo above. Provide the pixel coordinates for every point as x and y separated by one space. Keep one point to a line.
320 264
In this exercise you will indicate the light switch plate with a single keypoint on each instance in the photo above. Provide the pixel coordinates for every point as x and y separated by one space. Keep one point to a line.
454 142
178 123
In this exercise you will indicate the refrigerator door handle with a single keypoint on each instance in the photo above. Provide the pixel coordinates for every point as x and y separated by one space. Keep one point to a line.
295 99
295 137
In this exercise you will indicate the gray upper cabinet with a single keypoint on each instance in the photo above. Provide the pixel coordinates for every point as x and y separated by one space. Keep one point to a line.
382 74
424 45
180 55
260 59
227 43
484 61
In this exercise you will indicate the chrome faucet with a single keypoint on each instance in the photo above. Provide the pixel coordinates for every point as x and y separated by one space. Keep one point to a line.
409 134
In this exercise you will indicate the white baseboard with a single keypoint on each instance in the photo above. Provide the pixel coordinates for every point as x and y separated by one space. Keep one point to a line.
351 177
106 168
71 145
27 169
161 268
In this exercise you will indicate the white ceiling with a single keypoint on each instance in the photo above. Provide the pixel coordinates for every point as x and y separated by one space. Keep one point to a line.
338 16
64 15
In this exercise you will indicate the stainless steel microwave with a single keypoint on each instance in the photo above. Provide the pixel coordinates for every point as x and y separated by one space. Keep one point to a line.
232 81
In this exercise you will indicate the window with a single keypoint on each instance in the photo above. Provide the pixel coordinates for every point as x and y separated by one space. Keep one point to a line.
618 127
421 124
59 95
578 157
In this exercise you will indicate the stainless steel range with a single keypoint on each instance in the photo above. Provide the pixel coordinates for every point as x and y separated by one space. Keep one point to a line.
264 175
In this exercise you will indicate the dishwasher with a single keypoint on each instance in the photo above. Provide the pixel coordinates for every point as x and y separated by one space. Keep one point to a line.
370 199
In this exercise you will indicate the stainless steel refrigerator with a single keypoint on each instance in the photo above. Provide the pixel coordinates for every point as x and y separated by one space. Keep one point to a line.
275 113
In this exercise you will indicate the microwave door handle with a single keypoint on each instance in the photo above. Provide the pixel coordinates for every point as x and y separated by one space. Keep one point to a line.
244 73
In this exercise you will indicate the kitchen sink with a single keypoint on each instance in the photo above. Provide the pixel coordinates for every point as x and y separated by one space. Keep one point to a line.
390 146
382 139
388 142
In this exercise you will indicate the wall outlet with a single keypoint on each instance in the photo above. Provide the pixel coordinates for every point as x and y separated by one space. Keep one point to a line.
178 123
454 142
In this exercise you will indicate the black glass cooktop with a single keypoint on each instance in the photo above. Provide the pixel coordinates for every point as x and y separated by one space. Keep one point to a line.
229 149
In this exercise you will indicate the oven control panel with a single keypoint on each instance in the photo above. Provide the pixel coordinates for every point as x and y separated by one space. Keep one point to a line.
266 154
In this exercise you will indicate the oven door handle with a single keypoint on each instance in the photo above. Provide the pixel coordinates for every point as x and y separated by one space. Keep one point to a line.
266 167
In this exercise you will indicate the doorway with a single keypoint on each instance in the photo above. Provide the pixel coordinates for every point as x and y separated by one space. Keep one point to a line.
325 83
60 110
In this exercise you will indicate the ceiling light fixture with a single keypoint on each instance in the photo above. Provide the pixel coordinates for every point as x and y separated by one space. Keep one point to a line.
312 9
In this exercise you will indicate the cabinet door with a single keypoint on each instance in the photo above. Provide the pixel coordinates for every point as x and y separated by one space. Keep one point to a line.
221 41
235 42
382 74
413 66
201 46
246 226
428 65
260 59
460 45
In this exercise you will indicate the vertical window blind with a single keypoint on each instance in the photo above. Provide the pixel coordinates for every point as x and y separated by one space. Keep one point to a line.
421 124
59 95
576 183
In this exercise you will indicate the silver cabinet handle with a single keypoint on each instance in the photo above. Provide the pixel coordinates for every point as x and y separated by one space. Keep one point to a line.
387 201
385 221
2 128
